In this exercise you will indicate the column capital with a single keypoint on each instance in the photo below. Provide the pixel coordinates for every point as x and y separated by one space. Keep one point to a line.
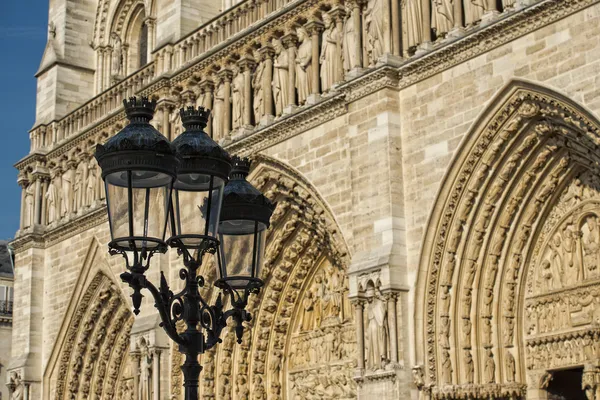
266 51
225 74
289 40
337 13
246 63
314 27
207 84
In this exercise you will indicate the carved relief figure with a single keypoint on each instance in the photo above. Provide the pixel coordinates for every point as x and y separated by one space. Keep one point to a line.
53 197
280 76
237 99
79 187
590 241
572 273
469 367
29 205
90 188
218 111
489 369
446 367
349 39
304 66
67 194
17 386
376 331
145 377
331 54
442 18
374 28
117 54
413 27
473 11
510 364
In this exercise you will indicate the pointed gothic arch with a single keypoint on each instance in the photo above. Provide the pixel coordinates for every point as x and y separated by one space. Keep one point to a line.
91 351
511 169
304 246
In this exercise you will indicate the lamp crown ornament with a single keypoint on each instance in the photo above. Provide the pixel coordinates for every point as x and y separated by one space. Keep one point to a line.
194 119
240 167
139 109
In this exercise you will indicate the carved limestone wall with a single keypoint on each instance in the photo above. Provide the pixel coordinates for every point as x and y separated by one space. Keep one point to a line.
521 157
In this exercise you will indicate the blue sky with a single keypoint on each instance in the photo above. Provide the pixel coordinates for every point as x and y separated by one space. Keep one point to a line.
23 30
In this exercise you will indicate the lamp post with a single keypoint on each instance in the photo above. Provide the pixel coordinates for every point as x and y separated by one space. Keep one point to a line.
185 185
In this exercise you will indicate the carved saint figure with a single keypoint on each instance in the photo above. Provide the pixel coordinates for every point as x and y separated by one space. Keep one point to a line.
469 367
304 66
53 197
79 187
67 194
473 11
218 111
90 188
237 99
16 386
446 367
117 54
413 27
374 28
307 318
590 238
257 82
442 18
29 205
281 67
145 380
349 39
570 239
331 53
489 369
509 360
377 331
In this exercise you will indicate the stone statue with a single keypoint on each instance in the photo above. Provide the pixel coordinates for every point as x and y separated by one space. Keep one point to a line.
572 272
486 330
304 66
29 205
374 29
275 366
67 193
331 54
466 331
17 386
444 332
446 367
349 39
117 54
53 198
242 387
257 82
90 188
280 77
469 367
473 9
489 369
377 331
79 187
590 240
442 18
509 362
237 99
218 111
413 27
145 379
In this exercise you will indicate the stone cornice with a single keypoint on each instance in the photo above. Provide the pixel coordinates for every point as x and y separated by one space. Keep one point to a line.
446 55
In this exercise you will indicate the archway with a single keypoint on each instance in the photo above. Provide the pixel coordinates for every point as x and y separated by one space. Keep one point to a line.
303 305
501 197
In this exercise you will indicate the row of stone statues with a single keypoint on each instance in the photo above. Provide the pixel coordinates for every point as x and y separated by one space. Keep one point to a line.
69 188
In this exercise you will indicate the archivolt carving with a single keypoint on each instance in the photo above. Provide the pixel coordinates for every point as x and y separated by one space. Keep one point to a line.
512 169
304 265
93 350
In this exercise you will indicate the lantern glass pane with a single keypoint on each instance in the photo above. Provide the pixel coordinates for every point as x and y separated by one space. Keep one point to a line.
138 210
196 211
241 250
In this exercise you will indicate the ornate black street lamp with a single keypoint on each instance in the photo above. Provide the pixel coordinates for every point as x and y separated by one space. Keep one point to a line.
152 184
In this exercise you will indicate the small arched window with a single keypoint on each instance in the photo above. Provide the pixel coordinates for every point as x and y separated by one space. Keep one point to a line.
143 45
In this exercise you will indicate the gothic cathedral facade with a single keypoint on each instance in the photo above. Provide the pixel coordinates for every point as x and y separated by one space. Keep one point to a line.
436 165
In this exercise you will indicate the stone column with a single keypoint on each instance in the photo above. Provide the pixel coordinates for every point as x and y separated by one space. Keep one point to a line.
151 24
125 59
226 75
246 64
156 374
396 29
135 358
267 52
590 381
23 182
290 42
360 333
100 70
537 383
207 87
37 201
426 19
491 13
314 29
107 66
391 299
